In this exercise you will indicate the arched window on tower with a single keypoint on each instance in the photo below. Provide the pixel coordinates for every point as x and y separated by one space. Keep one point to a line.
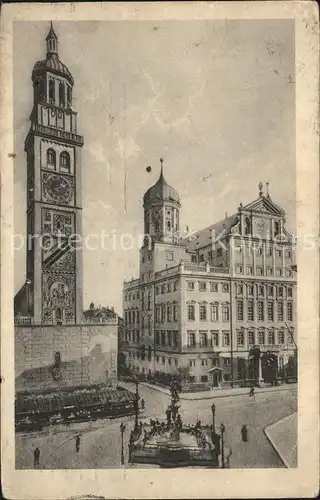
61 95
51 92
51 158
65 162
42 90
247 226
69 97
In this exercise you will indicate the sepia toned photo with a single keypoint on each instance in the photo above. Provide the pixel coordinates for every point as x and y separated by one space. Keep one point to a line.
155 245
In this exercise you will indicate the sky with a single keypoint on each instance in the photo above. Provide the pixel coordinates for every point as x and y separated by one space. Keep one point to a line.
215 99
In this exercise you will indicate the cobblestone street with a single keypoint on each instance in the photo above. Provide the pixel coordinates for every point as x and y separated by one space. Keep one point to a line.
101 442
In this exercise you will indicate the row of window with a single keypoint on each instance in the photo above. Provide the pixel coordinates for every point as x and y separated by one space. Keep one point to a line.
132 317
204 286
258 312
170 286
166 313
218 312
263 337
133 336
132 296
258 250
64 161
174 362
208 339
260 272
167 338
201 256
260 290
65 98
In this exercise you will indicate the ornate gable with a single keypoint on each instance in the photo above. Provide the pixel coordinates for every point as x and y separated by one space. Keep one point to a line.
264 204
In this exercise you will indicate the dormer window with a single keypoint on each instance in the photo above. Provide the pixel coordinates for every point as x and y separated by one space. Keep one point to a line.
51 158
65 162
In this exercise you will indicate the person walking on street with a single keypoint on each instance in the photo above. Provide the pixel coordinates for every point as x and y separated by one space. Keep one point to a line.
78 443
244 433
251 393
142 404
36 456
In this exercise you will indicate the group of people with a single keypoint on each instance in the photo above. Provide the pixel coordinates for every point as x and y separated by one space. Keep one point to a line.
36 452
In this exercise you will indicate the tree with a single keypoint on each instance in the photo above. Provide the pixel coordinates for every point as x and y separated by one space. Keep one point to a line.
254 359
183 373
269 365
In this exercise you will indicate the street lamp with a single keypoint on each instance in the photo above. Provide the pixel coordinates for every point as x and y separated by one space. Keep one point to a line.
122 429
136 405
28 283
222 431
213 409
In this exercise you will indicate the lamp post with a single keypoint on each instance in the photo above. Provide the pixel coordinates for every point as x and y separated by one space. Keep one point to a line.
28 283
213 409
136 404
222 430
122 429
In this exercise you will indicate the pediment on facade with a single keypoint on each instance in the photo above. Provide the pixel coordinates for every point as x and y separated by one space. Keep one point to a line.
264 204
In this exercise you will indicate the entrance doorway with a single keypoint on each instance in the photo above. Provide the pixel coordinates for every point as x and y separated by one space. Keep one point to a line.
215 376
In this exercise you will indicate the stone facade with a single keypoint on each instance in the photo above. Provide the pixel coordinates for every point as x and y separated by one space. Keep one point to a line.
57 344
50 356
202 303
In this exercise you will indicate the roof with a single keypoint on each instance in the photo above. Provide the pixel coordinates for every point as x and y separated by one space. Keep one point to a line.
99 312
51 33
52 63
212 233
161 191
264 204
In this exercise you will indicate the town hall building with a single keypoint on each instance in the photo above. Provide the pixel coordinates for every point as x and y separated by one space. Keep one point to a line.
204 305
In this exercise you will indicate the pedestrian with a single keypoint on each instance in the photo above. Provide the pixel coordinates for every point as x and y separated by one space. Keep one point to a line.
36 456
78 443
251 393
142 403
244 433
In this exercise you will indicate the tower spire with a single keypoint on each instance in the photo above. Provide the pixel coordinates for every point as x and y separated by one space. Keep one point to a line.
52 41
161 163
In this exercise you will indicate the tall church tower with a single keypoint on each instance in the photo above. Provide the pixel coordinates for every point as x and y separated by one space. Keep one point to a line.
54 195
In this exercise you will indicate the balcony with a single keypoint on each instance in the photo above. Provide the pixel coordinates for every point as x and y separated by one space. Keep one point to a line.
23 320
167 272
60 134
200 348
131 283
205 269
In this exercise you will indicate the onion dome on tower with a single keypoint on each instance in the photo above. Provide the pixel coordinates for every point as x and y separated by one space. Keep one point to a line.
161 211
52 62
161 191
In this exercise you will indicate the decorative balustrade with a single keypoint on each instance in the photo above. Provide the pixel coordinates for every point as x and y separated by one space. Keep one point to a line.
23 320
131 283
206 269
60 134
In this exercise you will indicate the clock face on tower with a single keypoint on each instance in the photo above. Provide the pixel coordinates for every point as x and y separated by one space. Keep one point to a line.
57 189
